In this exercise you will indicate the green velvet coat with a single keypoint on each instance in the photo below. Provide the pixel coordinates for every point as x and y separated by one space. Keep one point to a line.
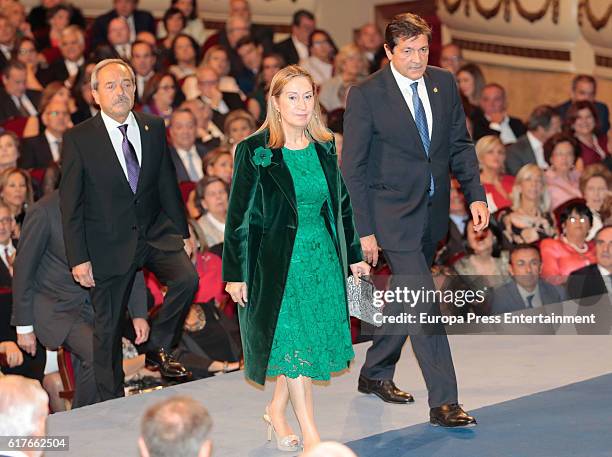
260 230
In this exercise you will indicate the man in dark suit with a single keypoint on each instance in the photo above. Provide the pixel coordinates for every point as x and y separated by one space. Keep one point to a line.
49 306
185 152
143 61
370 41
584 87
543 123
15 99
404 129
295 48
7 41
138 21
454 246
122 210
494 119
221 103
526 290
42 150
68 69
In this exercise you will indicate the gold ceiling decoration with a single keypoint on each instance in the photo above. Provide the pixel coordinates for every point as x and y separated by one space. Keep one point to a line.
492 11
584 9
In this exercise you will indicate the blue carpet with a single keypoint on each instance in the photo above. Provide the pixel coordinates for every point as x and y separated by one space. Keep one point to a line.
574 420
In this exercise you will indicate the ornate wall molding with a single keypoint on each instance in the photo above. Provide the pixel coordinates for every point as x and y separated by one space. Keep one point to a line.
491 12
584 9
517 51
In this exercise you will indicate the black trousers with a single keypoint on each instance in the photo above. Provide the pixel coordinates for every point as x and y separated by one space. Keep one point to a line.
110 297
431 350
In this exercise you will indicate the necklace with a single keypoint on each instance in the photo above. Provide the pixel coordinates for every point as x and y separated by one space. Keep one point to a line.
579 250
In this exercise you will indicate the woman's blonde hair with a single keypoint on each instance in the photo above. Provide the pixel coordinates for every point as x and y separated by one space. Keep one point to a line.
485 144
6 174
316 129
524 173
347 51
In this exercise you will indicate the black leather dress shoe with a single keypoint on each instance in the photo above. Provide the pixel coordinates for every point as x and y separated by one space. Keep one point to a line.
385 389
451 415
167 365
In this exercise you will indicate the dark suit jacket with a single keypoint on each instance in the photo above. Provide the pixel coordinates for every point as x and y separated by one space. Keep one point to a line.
233 101
57 71
286 48
6 280
45 294
181 170
102 219
519 154
507 299
35 152
7 106
586 282
481 127
603 115
386 169
143 21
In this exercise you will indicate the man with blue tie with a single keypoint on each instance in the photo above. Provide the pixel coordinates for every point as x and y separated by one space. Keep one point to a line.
121 211
404 129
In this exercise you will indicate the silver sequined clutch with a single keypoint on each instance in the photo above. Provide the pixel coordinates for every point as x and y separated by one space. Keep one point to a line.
361 300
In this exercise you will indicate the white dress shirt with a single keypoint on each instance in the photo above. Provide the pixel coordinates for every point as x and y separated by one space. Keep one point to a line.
141 81
116 137
73 67
132 27
54 145
319 70
6 50
215 223
3 252
404 85
506 134
536 301
300 47
26 103
124 50
605 274
538 150
192 162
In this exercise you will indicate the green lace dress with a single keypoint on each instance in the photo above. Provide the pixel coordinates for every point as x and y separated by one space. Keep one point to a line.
312 335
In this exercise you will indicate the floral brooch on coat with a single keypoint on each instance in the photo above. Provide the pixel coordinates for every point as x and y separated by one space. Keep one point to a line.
262 156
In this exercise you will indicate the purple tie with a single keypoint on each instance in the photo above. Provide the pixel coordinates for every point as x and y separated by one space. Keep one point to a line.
131 160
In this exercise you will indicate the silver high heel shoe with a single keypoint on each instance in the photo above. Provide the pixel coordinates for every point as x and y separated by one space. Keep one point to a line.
289 443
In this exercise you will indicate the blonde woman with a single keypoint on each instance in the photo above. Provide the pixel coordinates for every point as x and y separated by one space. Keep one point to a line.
288 212
216 57
491 154
530 220
351 67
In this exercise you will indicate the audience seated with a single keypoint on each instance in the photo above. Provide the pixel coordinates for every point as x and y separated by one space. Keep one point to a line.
211 200
454 247
370 42
68 67
543 123
185 152
562 179
251 54
9 150
16 192
210 93
584 88
295 48
8 39
238 125
471 82
173 22
37 17
529 220
161 94
194 27
24 407
595 279
217 58
143 62
582 122
258 99
491 154
451 58
25 52
118 38
137 20
208 133
185 55
595 185
526 289
570 251
15 99
175 427
219 163
495 119
351 68
322 51
48 40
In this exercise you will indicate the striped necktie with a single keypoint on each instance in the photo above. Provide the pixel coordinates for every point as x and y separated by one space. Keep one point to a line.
420 120
131 159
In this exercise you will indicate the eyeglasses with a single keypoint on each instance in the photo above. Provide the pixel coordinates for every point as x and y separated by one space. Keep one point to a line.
169 87
320 42
576 220
6 220
26 51
58 113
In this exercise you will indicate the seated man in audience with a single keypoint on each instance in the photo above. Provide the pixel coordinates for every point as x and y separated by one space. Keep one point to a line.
295 48
143 60
451 58
185 152
37 17
176 427
68 68
526 289
543 123
15 100
370 41
251 54
119 39
454 246
49 306
221 103
24 407
494 119
44 149
594 280
584 87
8 37
138 21
208 133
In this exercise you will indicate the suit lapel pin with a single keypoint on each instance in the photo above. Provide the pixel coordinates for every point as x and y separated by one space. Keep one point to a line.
146 127
435 90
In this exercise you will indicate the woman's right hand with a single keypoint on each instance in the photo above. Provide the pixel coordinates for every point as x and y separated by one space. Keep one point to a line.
238 292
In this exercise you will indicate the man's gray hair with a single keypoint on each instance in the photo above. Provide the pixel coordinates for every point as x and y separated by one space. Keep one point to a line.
76 30
103 63
175 427
23 405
